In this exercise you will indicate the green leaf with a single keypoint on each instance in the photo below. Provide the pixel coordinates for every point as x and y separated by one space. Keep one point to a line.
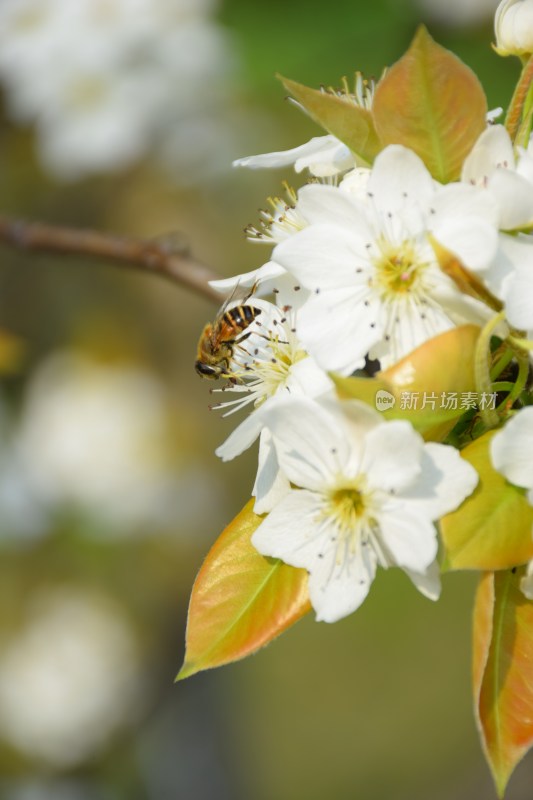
493 528
340 116
441 366
503 654
432 103
240 600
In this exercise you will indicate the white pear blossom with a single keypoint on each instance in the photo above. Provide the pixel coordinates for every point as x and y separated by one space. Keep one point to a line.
374 284
364 493
269 362
511 451
493 165
513 26
457 13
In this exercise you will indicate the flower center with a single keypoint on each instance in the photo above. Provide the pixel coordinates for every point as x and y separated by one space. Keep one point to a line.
348 507
262 364
272 364
398 268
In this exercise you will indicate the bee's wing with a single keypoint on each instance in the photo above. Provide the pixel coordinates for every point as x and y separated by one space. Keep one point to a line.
239 294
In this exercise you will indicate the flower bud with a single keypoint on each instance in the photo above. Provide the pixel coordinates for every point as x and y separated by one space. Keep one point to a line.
513 25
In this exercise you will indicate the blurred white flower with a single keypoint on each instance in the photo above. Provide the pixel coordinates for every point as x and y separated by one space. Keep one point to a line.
95 437
70 679
107 81
458 13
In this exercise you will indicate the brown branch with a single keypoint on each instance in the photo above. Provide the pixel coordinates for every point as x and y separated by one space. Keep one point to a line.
163 257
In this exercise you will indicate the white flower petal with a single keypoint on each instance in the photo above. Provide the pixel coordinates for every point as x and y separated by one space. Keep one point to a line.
427 583
525 164
445 481
292 529
519 291
526 583
399 179
284 158
241 438
512 250
270 483
472 240
408 536
408 325
337 590
311 447
460 308
269 271
393 451
328 161
356 417
356 182
514 194
460 200
338 329
323 256
493 149
308 379
327 205
511 449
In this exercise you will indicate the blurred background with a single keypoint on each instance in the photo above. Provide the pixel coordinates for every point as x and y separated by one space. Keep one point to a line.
125 115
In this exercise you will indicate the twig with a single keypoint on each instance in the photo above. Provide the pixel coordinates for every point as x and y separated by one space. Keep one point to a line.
159 256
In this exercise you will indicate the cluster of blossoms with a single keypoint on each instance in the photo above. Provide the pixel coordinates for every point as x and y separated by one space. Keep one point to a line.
356 273
107 81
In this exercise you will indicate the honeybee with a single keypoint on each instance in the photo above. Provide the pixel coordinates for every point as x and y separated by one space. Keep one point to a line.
218 339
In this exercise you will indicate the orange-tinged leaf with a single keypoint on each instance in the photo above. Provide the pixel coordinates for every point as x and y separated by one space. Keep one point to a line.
493 528
503 671
240 600
432 103
439 367
340 116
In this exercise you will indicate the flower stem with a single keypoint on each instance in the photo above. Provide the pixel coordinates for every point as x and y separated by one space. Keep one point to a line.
519 384
522 344
516 107
501 363
482 366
